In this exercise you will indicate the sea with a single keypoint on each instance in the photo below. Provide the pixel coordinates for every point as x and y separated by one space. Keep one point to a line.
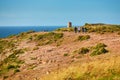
6 31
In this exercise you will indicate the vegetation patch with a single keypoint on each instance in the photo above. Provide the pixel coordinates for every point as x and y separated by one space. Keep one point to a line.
30 31
66 54
82 50
99 49
48 38
83 37
118 33
33 58
102 28
95 50
11 62
96 70
22 35
65 29
36 48
5 44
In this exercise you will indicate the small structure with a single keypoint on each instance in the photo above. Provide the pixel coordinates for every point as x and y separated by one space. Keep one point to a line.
69 24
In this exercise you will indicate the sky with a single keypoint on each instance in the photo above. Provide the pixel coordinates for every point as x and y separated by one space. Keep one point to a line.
58 12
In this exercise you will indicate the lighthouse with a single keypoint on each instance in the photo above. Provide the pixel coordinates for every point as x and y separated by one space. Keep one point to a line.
69 24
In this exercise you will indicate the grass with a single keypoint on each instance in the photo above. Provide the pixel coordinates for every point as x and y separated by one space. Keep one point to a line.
35 48
102 28
65 29
104 69
5 44
94 50
48 38
21 35
11 62
83 37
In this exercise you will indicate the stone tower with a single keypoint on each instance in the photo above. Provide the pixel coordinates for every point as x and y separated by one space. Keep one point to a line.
69 24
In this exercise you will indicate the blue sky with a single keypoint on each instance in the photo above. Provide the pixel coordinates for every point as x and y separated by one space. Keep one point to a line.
58 12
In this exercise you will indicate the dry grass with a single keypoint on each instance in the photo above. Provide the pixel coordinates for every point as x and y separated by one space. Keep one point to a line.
107 69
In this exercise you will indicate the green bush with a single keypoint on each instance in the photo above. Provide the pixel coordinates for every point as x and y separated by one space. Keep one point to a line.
99 49
99 45
11 66
16 70
83 50
30 38
66 54
84 37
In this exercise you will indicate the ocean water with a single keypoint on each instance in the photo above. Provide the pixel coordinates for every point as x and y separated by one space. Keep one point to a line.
11 30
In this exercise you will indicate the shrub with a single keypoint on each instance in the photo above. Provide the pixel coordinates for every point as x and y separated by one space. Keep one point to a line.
99 49
5 77
99 45
10 67
66 54
83 50
16 70
84 37
30 38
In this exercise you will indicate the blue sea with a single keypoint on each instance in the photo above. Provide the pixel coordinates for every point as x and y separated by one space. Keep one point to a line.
13 30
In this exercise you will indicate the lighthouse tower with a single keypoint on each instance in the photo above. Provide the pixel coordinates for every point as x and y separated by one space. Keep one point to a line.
69 24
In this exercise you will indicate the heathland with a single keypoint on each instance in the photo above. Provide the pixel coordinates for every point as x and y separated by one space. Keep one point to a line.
62 54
